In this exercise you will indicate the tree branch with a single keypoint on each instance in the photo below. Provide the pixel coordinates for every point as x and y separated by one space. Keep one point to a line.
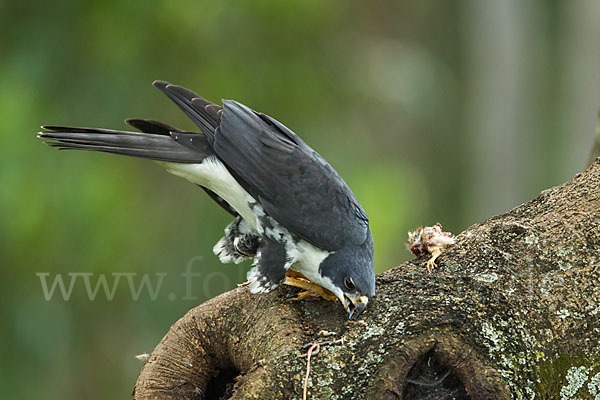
512 311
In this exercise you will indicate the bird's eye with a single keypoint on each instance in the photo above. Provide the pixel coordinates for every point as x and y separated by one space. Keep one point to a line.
349 283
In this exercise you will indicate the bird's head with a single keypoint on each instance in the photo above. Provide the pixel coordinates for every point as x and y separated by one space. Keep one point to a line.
349 274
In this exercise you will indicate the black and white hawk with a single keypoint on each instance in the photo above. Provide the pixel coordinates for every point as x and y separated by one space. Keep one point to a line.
291 208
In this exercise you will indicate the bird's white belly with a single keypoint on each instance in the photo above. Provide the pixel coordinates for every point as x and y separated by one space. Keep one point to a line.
213 175
308 259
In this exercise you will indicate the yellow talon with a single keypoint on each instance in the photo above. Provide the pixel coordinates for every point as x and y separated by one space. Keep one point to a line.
296 279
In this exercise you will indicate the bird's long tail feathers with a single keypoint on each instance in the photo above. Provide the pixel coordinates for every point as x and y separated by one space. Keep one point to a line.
156 141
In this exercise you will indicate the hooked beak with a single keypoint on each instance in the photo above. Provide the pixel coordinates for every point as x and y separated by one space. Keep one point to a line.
355 304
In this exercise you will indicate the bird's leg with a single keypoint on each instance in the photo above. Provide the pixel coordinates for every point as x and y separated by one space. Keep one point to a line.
302 295
295 278
239 250
431 262
246 245
292 273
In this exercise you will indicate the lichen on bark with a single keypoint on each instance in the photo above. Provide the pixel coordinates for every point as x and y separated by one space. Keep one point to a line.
512 312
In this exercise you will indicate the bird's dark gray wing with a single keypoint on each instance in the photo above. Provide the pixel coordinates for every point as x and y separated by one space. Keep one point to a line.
219 200
203 113
151 126
294 184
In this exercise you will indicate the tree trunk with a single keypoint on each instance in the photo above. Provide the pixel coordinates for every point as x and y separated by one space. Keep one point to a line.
512 312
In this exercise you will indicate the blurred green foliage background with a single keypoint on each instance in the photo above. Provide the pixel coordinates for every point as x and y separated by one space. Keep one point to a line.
431 111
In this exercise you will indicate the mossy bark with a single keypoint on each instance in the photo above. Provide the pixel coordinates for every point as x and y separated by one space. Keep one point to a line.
512 311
